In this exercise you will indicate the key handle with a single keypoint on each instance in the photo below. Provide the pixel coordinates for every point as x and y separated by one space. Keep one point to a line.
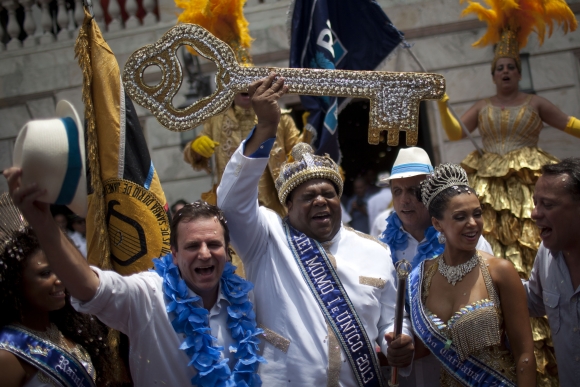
394 96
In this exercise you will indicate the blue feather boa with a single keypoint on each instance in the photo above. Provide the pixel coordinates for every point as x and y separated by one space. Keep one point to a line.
397 239
194 323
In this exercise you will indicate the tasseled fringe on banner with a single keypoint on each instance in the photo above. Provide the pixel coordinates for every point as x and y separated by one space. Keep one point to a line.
82 53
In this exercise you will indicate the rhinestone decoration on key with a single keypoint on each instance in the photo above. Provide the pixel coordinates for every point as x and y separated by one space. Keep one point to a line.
394 97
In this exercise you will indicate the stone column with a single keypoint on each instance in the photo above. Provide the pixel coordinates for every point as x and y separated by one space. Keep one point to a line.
114 10
12 27
150 18
131 8
46 21
62 21
29 23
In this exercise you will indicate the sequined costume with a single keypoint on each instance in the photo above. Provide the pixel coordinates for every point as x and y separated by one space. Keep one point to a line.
476 329
229 129
504 178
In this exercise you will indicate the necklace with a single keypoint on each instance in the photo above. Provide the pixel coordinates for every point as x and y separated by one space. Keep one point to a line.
199 344
454 274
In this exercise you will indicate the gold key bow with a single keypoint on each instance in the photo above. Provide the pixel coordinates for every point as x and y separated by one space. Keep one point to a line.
394 97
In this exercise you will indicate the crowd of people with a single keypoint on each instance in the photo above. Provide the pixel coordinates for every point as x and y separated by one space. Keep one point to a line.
490 243
319 296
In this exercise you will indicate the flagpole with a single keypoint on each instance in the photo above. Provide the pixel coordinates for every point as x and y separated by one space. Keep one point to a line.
467 132
89 5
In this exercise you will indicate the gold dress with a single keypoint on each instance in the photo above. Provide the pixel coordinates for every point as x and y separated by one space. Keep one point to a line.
476 329
504 178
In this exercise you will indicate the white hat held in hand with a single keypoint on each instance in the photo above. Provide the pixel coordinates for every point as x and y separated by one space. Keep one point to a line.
51 153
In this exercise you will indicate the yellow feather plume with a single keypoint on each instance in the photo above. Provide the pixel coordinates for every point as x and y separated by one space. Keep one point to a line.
223 18
521 16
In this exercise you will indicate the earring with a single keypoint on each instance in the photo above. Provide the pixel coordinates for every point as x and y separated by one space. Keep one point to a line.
441 238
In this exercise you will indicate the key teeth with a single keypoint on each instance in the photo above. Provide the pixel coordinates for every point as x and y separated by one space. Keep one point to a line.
393 137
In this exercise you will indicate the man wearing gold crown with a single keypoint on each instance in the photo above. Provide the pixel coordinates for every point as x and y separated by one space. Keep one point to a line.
325 294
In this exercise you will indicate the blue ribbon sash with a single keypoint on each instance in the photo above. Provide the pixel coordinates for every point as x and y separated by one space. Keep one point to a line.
472 372
336 306
60 365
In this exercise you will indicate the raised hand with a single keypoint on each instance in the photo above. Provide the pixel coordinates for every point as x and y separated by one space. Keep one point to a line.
265 94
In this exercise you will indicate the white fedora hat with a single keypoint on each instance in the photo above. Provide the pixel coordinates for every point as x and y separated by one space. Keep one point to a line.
411 162
51 153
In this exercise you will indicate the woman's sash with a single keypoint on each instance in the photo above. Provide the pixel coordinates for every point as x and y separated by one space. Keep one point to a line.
471 372
54 361
336 306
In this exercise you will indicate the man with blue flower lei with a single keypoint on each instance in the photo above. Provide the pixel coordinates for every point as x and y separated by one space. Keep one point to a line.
325 293
410 235
190 321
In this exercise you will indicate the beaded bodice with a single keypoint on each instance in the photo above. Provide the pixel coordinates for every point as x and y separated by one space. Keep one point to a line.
504 129
475 326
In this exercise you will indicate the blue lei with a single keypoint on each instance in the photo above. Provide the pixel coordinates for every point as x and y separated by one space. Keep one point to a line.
194 323
397 239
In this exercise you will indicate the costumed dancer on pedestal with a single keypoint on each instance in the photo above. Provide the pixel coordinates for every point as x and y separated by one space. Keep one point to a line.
466 304
510 123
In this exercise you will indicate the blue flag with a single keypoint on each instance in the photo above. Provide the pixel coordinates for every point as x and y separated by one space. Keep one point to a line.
337 34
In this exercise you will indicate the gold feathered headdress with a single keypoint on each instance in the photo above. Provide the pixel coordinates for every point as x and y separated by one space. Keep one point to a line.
510 23
223 18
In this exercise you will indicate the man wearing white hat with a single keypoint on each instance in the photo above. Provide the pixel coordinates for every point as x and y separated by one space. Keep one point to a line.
410 235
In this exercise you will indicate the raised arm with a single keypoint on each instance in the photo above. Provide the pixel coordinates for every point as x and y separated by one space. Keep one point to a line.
517 320
64 258
238 189
265 94
451 125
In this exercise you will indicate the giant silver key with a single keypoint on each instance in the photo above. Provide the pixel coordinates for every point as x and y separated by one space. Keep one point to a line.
394 97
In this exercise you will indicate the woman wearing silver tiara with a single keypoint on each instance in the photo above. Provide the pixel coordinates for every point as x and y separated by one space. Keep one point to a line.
40 333
465 304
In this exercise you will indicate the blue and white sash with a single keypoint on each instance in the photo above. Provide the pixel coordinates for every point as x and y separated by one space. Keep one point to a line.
471 372
54 361
336 306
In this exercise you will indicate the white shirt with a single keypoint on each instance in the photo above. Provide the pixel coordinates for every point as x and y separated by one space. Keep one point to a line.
377 204
79 241
345 215
135 305
380 223
297 352
426 370
551 292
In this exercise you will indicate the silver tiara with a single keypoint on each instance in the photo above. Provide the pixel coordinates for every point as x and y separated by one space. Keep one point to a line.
12 221
443 176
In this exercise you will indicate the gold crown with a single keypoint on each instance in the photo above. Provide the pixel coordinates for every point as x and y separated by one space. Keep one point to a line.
443 176
507 47
306 166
